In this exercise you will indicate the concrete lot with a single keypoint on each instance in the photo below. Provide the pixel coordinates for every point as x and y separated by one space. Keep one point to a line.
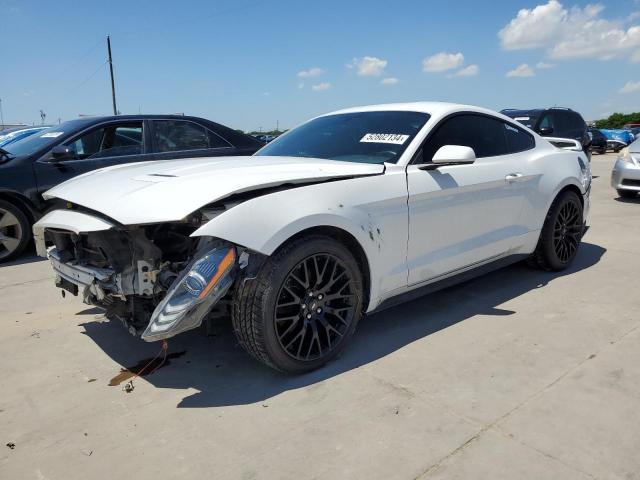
519 374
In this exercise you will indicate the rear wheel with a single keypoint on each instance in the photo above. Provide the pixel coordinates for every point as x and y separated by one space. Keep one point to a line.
627 193
302 307
15 231
561 233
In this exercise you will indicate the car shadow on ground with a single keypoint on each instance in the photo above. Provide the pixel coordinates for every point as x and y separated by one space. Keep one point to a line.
23 260
628 200
225 375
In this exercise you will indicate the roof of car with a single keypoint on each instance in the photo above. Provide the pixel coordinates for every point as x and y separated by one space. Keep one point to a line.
432 108
146 116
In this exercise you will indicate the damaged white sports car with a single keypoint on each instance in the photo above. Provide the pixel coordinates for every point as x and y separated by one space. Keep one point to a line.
344 215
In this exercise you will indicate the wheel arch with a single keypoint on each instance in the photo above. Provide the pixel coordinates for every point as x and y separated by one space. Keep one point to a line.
22 203
571 188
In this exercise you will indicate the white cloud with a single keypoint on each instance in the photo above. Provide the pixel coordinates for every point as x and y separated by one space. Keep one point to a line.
630 87
470 71
569 33
389 81
312 72
321 86
368 66
633 16
544 66
443 61
522 70
301 85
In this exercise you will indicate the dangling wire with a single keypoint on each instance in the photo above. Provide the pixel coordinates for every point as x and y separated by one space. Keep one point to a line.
128 387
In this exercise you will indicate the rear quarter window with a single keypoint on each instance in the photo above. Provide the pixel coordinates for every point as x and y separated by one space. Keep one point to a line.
517 139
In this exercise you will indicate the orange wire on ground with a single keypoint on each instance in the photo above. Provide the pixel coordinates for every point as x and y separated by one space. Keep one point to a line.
163 350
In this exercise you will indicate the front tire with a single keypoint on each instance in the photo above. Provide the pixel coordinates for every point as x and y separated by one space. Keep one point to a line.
302 307
15 231
561 234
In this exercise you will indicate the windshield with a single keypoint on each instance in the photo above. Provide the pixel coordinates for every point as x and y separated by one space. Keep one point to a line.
42 139
527 119
361 137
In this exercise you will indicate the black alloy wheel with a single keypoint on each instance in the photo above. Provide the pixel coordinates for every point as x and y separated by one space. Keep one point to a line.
567 231
315 307
302 306
561 234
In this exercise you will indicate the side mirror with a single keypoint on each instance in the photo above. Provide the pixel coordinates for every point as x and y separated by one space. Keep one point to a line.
60 153
454 155
546 131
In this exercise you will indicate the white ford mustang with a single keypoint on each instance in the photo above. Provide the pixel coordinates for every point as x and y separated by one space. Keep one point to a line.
344 215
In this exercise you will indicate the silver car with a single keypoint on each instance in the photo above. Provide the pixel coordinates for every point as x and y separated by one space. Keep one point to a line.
625 177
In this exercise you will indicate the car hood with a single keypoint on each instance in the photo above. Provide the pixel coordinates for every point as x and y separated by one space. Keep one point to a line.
162 191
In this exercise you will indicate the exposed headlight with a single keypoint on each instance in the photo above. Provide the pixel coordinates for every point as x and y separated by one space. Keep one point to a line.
627 156
193 294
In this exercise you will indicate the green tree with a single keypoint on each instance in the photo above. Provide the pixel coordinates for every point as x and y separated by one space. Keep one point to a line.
618 120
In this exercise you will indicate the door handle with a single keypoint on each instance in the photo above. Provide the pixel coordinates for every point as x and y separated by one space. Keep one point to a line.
512 177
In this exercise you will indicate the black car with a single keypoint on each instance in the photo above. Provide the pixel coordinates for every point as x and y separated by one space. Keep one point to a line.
554 122
31 166
598 141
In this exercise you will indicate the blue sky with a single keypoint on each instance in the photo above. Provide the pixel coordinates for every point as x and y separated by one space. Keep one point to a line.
249 64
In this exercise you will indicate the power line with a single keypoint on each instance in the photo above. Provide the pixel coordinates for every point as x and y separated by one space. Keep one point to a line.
89 77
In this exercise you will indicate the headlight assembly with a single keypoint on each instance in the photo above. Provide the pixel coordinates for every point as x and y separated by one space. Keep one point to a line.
627 156
193 294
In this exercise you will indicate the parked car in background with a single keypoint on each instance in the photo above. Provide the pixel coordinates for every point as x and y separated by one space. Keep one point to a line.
631 126
18 134
617 139
598 141
554 122
33 165
625 177
349 213
635 131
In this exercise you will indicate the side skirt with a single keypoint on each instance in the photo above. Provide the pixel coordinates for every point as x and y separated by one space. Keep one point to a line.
449 281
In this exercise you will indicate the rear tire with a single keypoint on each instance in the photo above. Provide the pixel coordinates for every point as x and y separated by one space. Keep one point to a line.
15 231
561 234
302 307
626 193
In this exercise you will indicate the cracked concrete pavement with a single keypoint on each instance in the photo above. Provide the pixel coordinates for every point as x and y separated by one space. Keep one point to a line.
518 374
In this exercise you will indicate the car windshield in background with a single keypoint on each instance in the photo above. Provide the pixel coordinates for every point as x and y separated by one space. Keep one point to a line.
635 146
33 143
361 137
526 119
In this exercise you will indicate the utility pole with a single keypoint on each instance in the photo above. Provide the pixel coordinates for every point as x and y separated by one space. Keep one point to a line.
113 85
1 116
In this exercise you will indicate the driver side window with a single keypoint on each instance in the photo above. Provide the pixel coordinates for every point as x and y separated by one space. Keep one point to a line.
483 134
109 141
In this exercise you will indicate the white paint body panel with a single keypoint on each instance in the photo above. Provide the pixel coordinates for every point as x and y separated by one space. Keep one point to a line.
76 222
414 226
164 191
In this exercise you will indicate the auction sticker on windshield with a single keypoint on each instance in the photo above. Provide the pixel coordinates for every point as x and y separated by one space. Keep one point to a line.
51 134
393 138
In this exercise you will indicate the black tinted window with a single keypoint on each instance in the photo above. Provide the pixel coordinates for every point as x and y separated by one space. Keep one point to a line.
181 135
109 141
518 140
485 135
